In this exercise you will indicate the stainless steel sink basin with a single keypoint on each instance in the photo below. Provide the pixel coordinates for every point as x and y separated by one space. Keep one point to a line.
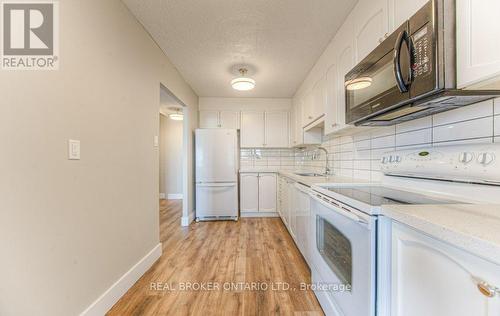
310 174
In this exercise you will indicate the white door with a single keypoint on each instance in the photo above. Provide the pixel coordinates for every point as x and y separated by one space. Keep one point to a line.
478 47
217 199
216 155
371 26
331 111
402 10
229 119
267 192
252 129
209 119
430 277
249 192
276 130
345 62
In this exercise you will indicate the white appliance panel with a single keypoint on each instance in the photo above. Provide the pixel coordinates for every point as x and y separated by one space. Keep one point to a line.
216 200
216 155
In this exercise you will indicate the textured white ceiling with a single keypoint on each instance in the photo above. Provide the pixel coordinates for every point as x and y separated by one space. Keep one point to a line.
207 39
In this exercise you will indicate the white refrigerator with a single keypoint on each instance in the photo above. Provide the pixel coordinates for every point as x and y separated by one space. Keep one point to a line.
216 174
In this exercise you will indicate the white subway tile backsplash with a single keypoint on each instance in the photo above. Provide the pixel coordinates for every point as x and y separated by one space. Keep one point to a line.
384 142
422 136
496 123
470 112
464 130
425 122
483 140
497 106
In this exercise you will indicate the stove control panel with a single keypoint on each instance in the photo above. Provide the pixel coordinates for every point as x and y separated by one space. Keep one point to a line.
464 163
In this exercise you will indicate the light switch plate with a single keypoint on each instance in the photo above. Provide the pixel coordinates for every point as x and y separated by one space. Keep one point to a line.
73 149
156 141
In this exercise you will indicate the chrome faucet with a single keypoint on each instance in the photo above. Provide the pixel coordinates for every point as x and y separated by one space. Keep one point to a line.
327 168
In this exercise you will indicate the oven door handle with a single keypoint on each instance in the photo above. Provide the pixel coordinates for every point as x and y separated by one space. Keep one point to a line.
325 202
403 84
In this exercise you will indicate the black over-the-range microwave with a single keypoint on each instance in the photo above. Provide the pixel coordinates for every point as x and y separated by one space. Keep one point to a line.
412 73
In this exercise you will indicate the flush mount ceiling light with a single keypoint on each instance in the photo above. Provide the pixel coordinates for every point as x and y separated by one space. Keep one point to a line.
358 83
243 83
177 116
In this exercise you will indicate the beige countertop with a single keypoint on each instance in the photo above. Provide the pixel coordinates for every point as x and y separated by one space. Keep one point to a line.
474 228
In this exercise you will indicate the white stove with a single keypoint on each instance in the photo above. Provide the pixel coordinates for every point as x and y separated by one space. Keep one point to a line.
346 215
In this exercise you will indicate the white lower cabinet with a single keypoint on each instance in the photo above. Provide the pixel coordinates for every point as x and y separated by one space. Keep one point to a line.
303 221
258 192
430 277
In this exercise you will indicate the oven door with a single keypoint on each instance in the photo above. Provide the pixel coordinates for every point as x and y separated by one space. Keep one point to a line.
382 80
343 256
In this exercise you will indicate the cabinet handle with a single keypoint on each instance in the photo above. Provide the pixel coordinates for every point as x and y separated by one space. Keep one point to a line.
334 124
310 117
487 289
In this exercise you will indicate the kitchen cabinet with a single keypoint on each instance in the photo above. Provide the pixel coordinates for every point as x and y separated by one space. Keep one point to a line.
371 26
249 192
402 10
430 277
332 108
267 192
303 221
277 130
319 98
252 129
478 58
258 192
344 62
307 108
219 119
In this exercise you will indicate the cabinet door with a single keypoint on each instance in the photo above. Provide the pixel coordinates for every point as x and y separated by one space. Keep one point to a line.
267 192
307 110
277 131
478 47
252 129
331 111
371 22
229 119
345 62
209 119
430 277
402 10
249 192
319 101
292 208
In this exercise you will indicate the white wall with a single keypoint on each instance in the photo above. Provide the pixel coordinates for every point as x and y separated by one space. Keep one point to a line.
70 229
170 156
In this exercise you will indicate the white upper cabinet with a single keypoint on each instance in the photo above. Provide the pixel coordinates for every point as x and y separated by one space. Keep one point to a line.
345 62
331 109
371 21
229 119
319 98
478 47
267 192
276 129
209 119
401 10
307 108
219 119
252 129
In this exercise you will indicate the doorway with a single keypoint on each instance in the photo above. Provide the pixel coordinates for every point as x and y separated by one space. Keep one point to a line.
171 165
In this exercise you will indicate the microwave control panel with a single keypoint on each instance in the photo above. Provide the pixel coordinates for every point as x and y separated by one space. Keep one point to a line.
422 49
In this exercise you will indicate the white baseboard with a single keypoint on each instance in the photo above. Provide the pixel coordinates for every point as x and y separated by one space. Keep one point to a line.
186 220
259 214
104 303
163 196
174 196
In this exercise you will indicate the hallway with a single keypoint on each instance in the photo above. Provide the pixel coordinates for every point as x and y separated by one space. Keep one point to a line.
222 254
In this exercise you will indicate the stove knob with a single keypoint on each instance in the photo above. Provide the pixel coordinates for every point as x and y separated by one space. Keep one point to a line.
465 157
384 160
398 158
485 158
392 159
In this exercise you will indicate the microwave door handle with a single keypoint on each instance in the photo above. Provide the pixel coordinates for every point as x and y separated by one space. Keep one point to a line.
402 85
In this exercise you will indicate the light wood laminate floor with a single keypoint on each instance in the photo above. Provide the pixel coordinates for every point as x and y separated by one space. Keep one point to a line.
253 252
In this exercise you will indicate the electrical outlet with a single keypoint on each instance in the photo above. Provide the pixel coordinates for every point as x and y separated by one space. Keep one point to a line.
73 149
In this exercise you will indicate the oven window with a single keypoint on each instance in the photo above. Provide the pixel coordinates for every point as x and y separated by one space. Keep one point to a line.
335 249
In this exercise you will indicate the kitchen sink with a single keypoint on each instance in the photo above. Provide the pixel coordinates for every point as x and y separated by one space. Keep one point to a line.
310 174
